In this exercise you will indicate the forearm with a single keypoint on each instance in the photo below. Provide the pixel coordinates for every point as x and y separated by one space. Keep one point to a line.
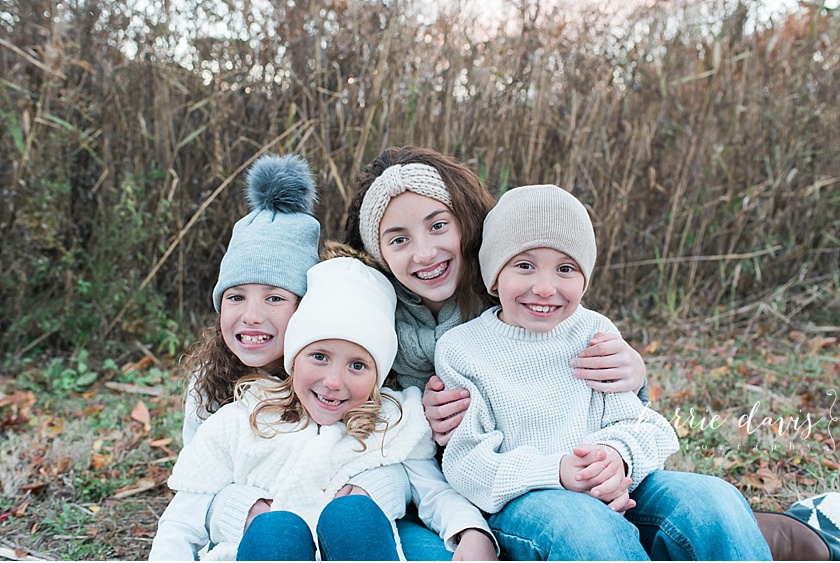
439 506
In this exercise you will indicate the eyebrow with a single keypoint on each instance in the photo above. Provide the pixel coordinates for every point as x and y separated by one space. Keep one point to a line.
425 219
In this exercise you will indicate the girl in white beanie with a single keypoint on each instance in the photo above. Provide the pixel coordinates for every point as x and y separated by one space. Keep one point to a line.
262 277
302 438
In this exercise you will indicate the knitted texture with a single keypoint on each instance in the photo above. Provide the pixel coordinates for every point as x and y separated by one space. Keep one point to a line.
543 216
345 300
527 409
277 242
418 332
302 469
421 179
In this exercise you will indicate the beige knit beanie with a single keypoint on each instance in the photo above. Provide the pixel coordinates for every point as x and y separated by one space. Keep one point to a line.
543 216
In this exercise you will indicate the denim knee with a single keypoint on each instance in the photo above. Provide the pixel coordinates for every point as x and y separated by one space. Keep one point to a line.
277 536
354 528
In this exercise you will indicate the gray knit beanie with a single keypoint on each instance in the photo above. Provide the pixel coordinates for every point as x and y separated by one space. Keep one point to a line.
277 242
528 217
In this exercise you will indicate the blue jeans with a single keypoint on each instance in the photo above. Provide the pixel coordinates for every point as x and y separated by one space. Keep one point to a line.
350 528
555 524
678 516
688 516
419 543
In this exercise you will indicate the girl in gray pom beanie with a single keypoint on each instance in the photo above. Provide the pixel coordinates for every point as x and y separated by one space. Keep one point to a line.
262 277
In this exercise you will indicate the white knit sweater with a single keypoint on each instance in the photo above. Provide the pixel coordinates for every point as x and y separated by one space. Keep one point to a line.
301 468
527 410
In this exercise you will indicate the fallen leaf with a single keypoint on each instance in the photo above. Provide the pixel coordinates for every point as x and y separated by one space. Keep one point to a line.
651 348
20 511
830 464
654 392
764 480
92 410
140 486
141 413
721 371
162 443
94 508
35 487
100 461
796 335
144 363
821 342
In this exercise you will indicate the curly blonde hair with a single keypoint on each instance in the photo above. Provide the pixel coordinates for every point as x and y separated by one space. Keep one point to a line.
361 421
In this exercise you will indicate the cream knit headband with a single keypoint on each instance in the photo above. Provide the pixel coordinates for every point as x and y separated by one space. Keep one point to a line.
421 179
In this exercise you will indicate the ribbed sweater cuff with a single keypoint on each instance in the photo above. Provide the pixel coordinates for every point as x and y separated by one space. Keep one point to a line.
545 472
388 487
229 510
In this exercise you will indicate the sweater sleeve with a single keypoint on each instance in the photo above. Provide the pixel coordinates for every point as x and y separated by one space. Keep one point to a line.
181 532
227 514
192 419
439 506
472 461
388 487
642 437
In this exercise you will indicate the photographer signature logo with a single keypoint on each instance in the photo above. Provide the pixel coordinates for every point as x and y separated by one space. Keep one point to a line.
791 427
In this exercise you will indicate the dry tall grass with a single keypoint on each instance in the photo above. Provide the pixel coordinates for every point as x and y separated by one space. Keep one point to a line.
708 154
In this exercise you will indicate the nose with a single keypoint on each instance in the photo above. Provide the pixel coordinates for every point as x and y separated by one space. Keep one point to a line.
333 380
425 251
253 313
543 285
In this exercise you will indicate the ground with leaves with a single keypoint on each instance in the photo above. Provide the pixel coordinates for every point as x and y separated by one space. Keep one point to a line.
83 470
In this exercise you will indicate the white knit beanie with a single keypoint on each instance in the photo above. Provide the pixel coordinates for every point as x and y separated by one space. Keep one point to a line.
543 216
345 300
419 178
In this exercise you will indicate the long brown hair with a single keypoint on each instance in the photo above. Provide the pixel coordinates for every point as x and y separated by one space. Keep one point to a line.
216 370
470 204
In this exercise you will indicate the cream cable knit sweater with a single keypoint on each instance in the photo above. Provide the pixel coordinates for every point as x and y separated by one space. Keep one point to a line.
527 410
302 469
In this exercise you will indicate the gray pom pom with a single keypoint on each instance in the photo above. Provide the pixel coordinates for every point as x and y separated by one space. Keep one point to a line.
281 183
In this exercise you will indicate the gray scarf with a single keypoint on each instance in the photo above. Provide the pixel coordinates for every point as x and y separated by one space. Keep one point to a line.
417 334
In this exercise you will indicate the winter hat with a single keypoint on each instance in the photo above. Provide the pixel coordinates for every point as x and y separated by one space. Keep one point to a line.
345 300
421 179
543 216
277 242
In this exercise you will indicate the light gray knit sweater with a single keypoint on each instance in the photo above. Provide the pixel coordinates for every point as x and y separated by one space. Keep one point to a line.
528 410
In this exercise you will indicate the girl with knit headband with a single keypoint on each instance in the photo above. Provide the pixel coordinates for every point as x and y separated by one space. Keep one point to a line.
420 214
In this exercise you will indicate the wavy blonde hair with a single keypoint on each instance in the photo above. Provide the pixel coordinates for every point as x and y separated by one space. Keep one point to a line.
361 421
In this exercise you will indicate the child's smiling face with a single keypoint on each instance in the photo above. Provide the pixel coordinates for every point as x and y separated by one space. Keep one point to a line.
539 288
421 242
253 319
330 377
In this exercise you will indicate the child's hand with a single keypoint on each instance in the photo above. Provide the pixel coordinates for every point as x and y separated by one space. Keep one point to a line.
599 471
260 507
610 365
474 545
444 409
349 489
